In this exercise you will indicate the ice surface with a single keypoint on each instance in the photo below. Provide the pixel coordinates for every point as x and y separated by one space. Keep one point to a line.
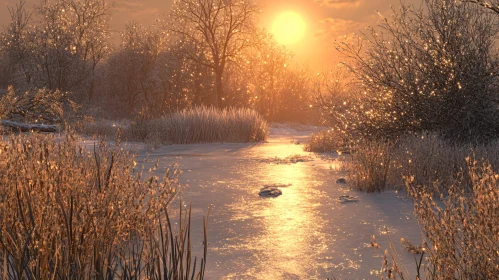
302 234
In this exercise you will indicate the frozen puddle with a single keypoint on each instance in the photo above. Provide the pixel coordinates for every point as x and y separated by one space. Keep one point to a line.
302 234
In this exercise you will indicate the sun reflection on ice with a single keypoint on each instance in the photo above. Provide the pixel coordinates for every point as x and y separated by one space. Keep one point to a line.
290 225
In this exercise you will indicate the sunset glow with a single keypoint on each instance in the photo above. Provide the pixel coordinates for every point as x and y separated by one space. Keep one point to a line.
249 139
289 28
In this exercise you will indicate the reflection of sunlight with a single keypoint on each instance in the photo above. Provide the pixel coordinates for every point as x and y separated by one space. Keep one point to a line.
280 150
290 225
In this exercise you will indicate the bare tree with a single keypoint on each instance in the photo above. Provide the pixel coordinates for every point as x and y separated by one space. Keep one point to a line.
267 80
183 83
218 30
343 105
7 69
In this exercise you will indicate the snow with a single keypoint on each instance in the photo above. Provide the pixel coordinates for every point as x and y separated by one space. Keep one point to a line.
303 234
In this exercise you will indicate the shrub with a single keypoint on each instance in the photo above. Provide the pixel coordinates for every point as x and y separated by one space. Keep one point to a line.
428 67
430 158
101 128
68 212
325 141
33 106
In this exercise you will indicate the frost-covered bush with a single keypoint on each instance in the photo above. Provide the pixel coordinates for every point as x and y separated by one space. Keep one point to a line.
369 165
41 105
429 158
101 128
58 45
460 227
431 67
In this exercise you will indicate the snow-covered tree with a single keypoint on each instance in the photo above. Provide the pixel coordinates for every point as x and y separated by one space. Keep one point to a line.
183 83
492 5
149 76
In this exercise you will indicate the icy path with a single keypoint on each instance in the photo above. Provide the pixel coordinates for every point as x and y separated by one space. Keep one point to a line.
303 234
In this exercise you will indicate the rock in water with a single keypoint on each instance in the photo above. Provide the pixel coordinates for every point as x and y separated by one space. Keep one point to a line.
270 192
341 181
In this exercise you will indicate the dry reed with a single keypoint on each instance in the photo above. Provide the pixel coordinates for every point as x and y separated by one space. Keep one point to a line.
67 212
196 125
460 227
369 165
456 201
425 157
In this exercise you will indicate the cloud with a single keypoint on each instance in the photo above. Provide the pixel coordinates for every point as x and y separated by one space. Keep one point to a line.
135 9
336 28
339 3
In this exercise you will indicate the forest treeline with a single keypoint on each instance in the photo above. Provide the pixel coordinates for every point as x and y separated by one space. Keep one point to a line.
210 53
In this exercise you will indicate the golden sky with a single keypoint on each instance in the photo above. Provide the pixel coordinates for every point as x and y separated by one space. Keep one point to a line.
326 20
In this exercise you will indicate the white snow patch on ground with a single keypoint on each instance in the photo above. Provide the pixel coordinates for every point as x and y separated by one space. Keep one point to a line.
302 234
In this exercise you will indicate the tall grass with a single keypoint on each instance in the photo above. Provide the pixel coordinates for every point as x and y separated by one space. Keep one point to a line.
195 125
102 128
71 213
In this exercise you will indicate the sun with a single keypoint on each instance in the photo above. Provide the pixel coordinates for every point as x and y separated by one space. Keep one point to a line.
289 28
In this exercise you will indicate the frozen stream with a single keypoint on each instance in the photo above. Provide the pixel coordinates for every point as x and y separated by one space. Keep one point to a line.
303 234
